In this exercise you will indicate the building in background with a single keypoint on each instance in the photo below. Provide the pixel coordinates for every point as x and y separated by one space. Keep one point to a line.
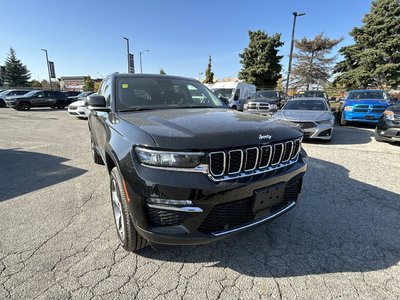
74 83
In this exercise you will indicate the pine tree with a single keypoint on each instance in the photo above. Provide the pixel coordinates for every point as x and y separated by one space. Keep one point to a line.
16 74
88 84
209 74
260 60
312 65
374 58
162 72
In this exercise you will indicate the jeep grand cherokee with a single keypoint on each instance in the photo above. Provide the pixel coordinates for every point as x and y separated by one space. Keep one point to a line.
186 169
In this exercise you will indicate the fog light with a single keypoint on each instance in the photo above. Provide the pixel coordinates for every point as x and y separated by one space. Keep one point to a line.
168 201
382 132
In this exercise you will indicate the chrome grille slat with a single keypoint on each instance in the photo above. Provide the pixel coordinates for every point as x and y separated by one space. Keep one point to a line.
253 160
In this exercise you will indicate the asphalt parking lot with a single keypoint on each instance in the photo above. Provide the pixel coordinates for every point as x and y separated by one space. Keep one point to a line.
57 237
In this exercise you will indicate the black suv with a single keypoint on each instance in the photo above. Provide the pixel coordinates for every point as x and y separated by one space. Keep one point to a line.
53 99
264 102
388 127
9 93
186 169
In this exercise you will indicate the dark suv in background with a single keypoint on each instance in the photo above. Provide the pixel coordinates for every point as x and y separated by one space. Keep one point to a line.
53 99
264 102
10 93
184 168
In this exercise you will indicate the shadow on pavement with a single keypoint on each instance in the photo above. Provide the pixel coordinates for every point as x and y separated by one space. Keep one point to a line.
22 172
353 228
347 135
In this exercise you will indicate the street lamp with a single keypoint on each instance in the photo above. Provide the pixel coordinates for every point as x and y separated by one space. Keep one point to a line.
140 54
295 15
127 50
48 69
200 73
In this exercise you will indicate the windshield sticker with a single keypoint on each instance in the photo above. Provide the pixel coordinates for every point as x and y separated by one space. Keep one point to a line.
124 85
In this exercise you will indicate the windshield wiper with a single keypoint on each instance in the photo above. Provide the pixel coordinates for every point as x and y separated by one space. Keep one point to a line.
136 109
198 106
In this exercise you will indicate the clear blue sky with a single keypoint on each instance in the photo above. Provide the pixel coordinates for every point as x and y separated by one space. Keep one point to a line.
86 37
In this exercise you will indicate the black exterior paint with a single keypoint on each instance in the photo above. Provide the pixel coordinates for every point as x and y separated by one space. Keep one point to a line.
199 129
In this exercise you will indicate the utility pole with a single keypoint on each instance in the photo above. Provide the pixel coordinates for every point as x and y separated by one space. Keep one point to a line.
295 15
140 54
128 56
48 69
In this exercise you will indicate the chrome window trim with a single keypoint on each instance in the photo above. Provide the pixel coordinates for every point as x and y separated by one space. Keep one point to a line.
223 170
291 205
280 158
256 162
261 156
241 161
189 209
291 151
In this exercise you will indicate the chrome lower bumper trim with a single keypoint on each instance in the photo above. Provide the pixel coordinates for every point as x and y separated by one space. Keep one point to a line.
188 209
291 205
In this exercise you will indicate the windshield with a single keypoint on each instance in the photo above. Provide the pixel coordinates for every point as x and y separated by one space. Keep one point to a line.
266 94
134 93
314 94
367 95
306 105
227 93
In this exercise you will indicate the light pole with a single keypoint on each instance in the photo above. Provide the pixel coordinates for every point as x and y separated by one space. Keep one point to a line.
140 54
48 69
200 73
127 50
295 15
102 77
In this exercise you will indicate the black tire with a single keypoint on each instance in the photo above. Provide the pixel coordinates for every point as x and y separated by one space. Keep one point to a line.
343 122
127 234
61 104
24 106
378 138
96 157
234 107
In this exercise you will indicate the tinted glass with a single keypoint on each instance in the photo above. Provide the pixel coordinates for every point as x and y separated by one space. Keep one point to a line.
316 94
227 93
162 92
367 95
306 105
266 94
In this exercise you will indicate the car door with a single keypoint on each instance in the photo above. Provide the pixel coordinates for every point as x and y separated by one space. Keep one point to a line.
99 118
38 99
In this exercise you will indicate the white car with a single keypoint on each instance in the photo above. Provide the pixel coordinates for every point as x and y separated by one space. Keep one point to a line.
78 109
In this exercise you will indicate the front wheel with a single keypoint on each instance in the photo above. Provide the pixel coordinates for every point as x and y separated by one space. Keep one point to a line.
128 236
24 106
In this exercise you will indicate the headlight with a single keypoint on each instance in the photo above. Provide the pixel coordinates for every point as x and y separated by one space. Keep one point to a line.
328 121
348 108
81 106
273 106
169 159
388 115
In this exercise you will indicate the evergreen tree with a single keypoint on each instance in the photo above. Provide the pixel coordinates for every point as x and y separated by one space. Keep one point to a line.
374 59
312 65
16 74
162 72
260 60
209 74
88 84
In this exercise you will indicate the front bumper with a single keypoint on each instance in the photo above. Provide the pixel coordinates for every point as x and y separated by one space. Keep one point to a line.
361 117
79 112
263 112
388 130
321 132
11 104
219 209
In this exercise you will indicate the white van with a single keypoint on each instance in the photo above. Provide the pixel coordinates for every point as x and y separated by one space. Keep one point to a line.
236 92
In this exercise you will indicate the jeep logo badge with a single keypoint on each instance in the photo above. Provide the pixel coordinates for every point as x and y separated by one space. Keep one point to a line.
264 137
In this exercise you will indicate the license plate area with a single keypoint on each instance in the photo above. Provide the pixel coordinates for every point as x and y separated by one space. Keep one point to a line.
267 197
369 117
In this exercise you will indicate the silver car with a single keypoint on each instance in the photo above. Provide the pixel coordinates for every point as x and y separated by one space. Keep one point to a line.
312 115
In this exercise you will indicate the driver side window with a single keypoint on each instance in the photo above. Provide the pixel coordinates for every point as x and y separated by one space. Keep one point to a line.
237 95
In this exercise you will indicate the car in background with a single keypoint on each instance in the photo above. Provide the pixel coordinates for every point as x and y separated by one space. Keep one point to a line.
264 102
71 95
363 106
79 96
10 93
234 93
78 108
312 115
388 126
38 98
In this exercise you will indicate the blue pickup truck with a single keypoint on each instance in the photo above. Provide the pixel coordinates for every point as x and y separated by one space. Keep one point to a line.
363 106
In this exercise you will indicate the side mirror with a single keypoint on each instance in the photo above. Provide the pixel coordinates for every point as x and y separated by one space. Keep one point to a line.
96 103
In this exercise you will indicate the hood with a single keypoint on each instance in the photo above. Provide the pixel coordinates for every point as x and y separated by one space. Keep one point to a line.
366 101
303 115
209 129
77 103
